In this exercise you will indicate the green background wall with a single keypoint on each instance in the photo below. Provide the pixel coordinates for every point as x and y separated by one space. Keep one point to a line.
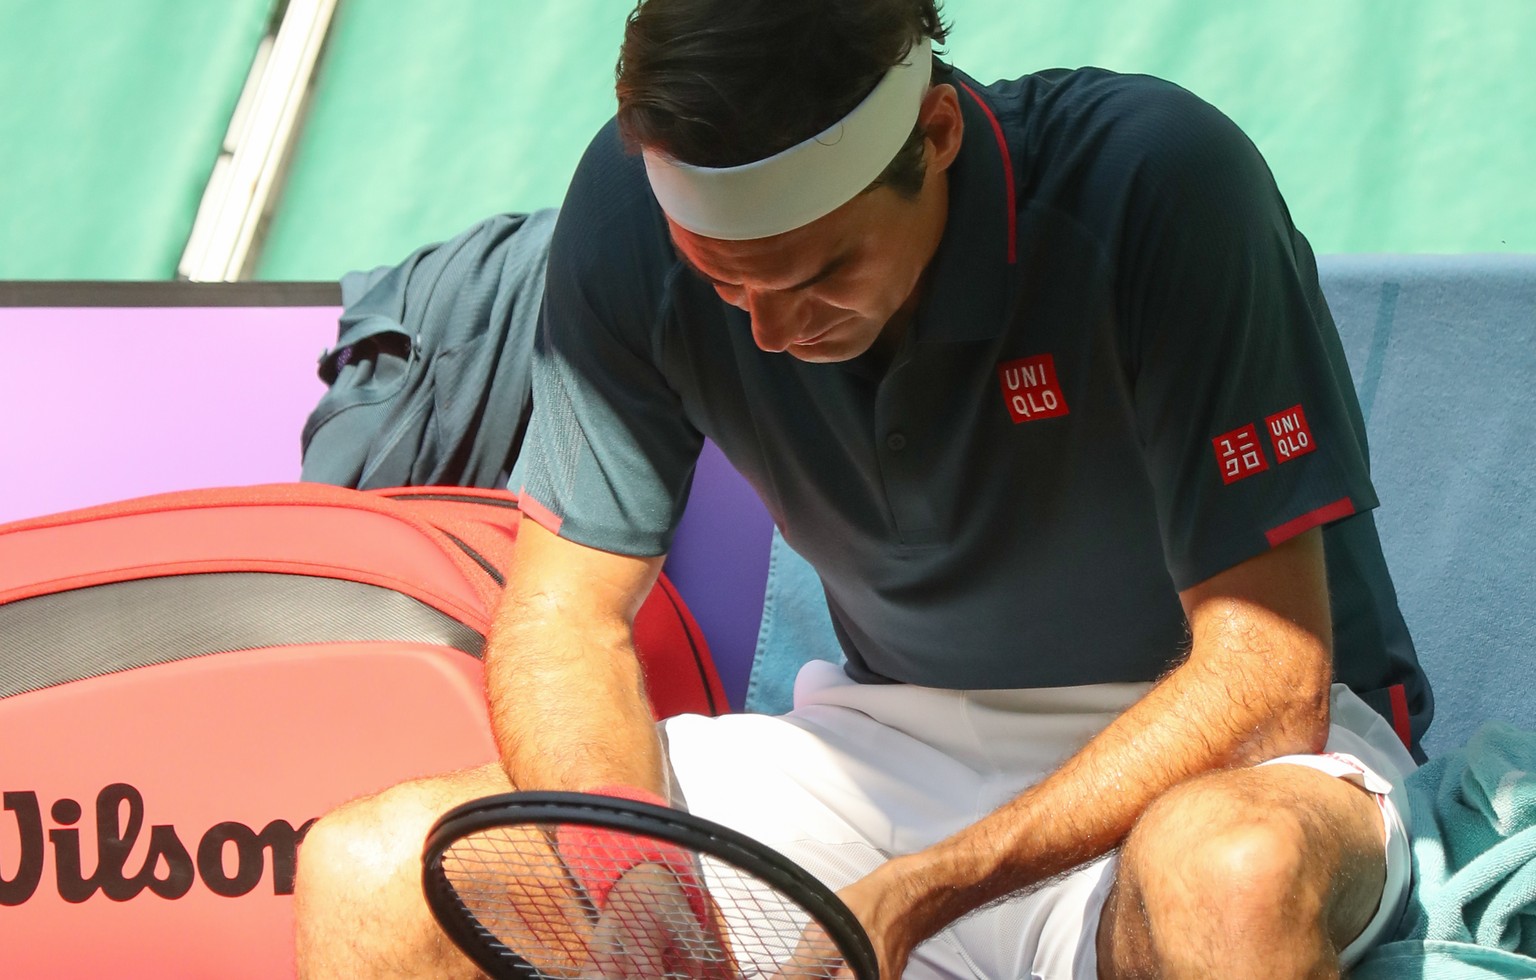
1392 125
111 115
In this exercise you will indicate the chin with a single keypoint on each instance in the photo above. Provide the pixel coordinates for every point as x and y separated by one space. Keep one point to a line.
819 354
845 342
829 351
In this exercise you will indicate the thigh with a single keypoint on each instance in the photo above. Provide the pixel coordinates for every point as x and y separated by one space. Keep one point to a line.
833 791
829 790
1047 933
827 778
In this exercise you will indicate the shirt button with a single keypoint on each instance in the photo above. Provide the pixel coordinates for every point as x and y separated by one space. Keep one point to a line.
896 442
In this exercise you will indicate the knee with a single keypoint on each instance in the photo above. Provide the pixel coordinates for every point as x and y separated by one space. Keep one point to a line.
363 847
358 904
1206 852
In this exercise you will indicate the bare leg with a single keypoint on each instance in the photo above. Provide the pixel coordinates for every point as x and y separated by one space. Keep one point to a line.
1265 872
358 901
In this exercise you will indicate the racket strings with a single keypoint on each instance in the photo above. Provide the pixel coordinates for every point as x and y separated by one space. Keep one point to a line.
522 893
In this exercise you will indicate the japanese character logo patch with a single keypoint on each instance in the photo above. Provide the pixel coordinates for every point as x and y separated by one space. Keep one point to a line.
1289 434
1239 454
1030 388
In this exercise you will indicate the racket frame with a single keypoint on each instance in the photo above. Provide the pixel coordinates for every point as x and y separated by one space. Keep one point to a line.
693 833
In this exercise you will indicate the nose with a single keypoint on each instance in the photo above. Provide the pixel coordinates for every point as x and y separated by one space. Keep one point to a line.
778 319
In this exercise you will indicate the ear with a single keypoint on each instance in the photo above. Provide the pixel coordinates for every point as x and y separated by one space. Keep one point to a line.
941 120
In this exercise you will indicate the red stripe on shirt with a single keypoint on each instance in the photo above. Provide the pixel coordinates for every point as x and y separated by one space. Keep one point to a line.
541 515
1002 145
1341 508
1399 696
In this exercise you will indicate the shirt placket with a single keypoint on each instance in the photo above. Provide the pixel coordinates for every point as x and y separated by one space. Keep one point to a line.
903 447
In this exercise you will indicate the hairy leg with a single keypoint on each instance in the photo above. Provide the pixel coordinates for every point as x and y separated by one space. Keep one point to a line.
1265 872
357 899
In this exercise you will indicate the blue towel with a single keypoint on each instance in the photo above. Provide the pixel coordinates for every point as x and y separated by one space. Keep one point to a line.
1473 910
1441 351
796 628
1442 961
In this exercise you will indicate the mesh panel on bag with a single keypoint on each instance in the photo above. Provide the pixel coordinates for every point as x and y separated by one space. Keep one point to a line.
66 636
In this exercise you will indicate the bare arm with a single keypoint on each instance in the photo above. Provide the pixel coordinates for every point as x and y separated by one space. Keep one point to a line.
1255 686
567 697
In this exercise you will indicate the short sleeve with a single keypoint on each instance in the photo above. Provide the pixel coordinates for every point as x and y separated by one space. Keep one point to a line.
1243 401
609 453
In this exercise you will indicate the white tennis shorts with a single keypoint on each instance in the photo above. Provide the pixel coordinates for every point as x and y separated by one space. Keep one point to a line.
856 773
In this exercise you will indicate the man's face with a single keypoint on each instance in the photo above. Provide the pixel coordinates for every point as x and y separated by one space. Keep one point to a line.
825 292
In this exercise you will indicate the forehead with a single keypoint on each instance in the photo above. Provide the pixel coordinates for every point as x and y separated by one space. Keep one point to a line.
761 261
781 260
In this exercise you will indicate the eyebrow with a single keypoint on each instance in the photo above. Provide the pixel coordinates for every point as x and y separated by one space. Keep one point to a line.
825 272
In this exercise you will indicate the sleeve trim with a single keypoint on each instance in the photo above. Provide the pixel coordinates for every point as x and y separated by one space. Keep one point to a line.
1400 717
1338 510
541 515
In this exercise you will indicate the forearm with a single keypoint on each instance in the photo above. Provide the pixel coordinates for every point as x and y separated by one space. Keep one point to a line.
1187 725
566 692
1255 686
567 700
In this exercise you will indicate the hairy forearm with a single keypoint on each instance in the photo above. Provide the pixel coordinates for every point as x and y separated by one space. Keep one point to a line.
566 692
1254 687
1193 722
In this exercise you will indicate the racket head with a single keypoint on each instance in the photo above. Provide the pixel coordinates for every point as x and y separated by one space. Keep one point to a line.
476 851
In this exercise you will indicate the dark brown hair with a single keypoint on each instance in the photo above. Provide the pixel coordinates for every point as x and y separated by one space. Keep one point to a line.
718 83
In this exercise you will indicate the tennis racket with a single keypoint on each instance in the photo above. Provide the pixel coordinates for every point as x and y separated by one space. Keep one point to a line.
579 885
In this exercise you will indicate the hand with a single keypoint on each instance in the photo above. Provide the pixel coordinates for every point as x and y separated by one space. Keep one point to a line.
880 903
654 916
883 902
650 926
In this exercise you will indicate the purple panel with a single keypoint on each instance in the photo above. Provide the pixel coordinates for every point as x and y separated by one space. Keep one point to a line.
719 563
98 405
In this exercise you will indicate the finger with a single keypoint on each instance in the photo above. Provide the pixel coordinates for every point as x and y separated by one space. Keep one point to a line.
633 937
531 904
815 957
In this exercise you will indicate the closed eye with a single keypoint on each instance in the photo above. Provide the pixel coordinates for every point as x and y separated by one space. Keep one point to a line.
826 272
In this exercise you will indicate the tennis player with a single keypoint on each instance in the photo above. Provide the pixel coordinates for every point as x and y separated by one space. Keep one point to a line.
1039 377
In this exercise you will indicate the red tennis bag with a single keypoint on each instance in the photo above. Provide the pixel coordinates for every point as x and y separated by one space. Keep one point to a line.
187 681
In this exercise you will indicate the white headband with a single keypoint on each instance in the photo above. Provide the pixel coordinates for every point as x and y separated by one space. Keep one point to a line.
796 186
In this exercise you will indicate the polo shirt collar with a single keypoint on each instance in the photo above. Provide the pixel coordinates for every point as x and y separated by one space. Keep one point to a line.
972 277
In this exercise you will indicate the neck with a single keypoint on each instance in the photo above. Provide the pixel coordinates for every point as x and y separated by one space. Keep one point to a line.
883 351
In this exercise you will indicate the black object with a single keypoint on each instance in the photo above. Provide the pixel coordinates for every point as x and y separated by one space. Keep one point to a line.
512 902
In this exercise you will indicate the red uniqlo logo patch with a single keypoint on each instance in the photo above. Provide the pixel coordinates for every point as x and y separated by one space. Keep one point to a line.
1239 454
1030 388
1289 434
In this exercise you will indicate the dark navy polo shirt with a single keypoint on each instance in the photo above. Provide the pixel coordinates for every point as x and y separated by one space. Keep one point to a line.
1121 380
